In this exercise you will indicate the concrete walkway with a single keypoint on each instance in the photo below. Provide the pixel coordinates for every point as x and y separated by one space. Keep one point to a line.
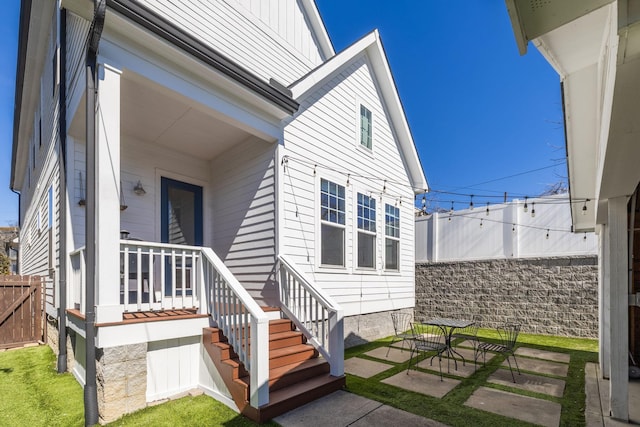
543 372
597 391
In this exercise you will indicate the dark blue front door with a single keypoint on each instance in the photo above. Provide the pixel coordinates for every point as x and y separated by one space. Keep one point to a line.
181 223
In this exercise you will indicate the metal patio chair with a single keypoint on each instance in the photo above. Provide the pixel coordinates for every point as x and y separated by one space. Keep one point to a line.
470 333
427 339
401 328
508 336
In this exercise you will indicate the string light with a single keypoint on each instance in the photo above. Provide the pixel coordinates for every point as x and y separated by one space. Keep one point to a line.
348 179
384 186
471 203
533 209
480 222
525 204
547 234
584 207
424 201
487 208
314 169
513 228
451 210
585 236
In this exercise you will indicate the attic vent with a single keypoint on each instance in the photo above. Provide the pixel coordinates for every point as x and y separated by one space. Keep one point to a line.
539 4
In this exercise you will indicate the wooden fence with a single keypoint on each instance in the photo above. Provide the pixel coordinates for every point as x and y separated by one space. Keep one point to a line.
21 310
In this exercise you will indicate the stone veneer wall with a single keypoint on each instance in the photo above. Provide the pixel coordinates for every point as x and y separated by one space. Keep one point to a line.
553 296
365 328
121 379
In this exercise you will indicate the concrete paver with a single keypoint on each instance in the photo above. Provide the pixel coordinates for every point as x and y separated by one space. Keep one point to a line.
536 411
464 371
385 416
422 382
340 408
364 368
540 366
395 355
542 354
529 382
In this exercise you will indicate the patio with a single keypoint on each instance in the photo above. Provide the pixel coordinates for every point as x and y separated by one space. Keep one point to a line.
551 390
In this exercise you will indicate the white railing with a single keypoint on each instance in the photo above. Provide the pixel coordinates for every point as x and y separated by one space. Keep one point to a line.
76 285
242 321
159 276
315 314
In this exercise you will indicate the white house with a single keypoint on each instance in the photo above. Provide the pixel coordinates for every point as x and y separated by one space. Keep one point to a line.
594 47
258 174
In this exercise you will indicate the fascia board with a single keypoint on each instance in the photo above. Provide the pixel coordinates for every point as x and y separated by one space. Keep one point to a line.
319 29
328 69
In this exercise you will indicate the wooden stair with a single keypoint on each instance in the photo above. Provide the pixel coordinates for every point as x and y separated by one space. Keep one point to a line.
296 374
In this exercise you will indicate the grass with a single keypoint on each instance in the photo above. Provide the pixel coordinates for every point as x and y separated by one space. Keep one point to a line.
451 410
32 393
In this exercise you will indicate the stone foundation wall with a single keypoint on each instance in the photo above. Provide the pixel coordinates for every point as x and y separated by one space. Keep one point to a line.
553 296
53 339
364 328
121 379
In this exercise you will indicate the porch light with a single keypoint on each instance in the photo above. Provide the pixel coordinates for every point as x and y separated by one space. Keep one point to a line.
139 189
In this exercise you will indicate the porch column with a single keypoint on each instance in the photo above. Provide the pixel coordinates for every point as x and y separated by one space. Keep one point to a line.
108 193
604 343
619 308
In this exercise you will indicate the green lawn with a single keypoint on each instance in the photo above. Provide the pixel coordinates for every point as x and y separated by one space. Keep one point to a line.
33 394
451 410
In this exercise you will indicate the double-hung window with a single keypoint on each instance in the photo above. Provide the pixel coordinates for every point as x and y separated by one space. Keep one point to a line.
365 127
366 231
332 223
392 237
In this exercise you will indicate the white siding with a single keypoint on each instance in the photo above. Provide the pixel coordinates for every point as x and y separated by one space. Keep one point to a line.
172 367
77 31
36 252
270 38
325 133
243 205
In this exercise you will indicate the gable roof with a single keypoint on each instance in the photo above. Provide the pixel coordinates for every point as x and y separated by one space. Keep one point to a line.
371 45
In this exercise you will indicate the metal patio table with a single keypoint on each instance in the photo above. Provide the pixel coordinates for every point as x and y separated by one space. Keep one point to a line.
448 325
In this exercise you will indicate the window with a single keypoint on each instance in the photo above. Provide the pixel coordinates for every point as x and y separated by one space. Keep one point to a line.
332 223
366 231
50 222
392 236
365 127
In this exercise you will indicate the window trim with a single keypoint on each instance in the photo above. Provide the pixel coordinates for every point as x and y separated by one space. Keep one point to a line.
394 238
320 222
358 230
359 104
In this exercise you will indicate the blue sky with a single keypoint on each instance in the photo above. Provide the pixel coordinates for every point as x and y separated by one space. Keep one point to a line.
478 110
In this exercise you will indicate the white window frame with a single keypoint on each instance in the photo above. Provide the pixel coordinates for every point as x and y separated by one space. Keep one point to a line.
359 106
366 231
321 222
387 236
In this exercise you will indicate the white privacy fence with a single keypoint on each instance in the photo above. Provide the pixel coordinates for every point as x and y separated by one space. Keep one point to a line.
506 231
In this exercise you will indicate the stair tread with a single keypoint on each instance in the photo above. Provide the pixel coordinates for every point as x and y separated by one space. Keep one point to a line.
285 351
294 390
294 367
282 335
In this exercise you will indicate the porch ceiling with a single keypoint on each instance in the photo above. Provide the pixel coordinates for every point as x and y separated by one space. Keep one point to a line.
154 114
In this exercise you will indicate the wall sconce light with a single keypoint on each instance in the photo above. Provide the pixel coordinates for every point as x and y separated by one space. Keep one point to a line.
139 189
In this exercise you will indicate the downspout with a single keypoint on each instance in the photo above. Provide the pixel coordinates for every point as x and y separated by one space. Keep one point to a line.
90 389
19 227
62 194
